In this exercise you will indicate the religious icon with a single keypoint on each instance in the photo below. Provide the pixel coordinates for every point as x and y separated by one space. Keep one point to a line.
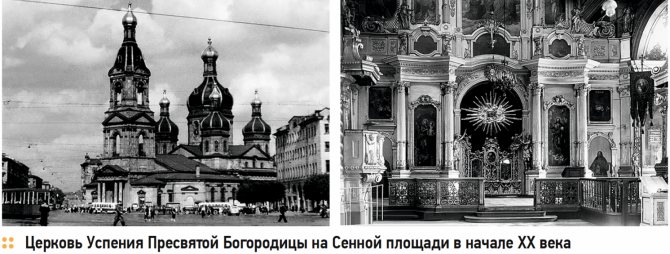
559 136
425 135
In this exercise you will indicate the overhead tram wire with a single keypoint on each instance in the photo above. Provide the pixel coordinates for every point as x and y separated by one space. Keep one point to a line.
180 16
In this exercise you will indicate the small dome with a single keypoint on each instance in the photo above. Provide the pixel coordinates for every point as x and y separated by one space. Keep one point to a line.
164 103
255 127
166 129
215 122
129 18
209 52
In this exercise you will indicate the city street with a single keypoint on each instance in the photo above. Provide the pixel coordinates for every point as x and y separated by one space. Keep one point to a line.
60 218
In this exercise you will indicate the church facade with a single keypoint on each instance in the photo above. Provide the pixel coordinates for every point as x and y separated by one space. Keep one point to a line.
142 162
495 95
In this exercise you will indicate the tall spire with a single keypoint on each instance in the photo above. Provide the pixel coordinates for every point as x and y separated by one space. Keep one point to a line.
165 104
209 56
129 22
256 105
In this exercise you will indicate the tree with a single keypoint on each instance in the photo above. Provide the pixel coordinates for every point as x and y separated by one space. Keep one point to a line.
317 188
260 191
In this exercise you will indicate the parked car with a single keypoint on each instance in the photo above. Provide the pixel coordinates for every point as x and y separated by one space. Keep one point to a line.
248 210
190 209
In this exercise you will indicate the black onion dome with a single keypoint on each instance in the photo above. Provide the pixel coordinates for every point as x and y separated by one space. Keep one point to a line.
256 128
165 128
199 100
215 124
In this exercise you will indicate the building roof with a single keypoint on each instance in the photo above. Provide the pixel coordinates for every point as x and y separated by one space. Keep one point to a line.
179 163
162 178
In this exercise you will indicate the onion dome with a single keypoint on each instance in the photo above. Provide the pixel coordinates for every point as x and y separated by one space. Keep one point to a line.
215 123
129 59
165 128
129 19
256 129
199 102
209 52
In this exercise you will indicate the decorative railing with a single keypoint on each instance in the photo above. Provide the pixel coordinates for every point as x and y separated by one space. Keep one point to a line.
462 193
616 196
557 194
607 195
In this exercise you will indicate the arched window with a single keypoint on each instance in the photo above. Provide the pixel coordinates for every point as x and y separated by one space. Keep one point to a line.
205 146
140 96
211 194
261 165
225 145
116 145
246 164
165 149
266 148
140 145
254 162
216 146
223 194
196 127
117 93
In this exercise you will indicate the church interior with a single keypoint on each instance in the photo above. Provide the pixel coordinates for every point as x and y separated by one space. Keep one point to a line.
504 111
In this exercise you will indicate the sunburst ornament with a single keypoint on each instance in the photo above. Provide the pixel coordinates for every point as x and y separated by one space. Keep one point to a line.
491 114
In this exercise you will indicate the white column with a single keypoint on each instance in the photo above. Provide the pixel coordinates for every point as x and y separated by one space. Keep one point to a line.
99 192
537 126
104 198
449 129
582 118
401 127
115 196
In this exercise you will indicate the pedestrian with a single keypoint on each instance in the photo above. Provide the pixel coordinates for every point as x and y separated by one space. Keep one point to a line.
146 213
282 213
119 215
174 215
44 214
152 213
203 212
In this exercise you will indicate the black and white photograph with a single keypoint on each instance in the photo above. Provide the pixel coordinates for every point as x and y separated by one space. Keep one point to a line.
504 113
165 113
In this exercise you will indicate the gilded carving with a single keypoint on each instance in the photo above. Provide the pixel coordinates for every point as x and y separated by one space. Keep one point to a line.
424 99
425 71
599 50
379 45
606 135
560 74
558 100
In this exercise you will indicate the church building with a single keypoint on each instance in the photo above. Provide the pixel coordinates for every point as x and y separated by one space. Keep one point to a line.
142 162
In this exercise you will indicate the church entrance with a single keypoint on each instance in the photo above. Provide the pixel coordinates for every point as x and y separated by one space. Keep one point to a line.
491 144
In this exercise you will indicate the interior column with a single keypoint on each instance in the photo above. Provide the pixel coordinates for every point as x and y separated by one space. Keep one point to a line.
537 126
99 192
449 129
401 127
582 118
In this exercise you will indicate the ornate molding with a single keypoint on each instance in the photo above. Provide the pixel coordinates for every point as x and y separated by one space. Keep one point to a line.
424 100
623 91
452 7
606 135
604 77
559 74
558 100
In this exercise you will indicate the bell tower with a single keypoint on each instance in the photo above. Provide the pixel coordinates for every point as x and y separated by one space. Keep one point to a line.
129 124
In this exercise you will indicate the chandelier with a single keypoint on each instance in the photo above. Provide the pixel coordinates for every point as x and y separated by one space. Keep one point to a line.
501 77
491 113
491 25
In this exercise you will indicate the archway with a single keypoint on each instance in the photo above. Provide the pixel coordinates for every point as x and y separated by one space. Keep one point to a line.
491 130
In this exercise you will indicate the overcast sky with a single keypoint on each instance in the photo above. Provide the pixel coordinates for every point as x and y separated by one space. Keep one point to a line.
55 61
